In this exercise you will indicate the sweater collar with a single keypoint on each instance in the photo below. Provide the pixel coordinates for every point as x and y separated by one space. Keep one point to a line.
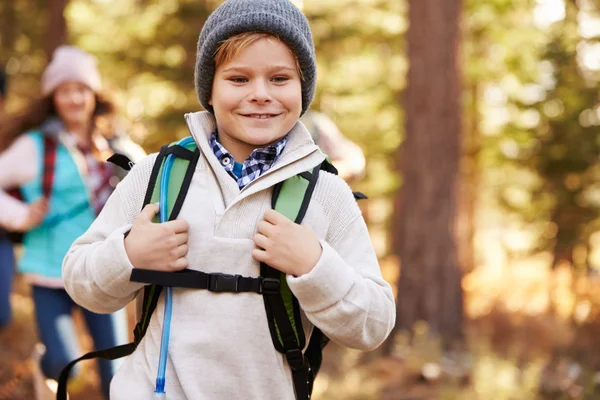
300 154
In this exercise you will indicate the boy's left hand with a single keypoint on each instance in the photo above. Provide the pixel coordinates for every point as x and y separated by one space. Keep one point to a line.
285 245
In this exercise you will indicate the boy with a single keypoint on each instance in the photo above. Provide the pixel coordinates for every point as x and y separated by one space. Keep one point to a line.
255 74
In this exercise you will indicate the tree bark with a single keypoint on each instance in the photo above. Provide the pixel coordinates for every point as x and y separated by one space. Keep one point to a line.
56 32
429 288
469 186
8 30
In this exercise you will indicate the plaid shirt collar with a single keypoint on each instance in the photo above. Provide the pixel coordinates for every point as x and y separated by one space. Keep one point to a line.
259 162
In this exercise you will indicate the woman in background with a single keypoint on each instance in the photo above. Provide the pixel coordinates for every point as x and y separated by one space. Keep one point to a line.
55 153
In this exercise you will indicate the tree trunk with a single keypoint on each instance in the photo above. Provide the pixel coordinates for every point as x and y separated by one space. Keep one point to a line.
56 33
8 30
469 187
429 288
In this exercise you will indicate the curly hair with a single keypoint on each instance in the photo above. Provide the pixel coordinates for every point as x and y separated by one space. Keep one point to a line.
39 110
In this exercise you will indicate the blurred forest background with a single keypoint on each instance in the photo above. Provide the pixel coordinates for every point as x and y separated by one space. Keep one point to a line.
480 124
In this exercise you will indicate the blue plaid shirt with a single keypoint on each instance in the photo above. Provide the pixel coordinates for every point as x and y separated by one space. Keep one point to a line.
259 162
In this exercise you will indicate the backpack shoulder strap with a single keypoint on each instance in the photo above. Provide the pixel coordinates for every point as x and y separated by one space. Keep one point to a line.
50 144
327 166
186 156
182 171
49 162
291 198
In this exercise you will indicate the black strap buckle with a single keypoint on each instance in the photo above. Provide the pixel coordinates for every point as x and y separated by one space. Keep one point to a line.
219 283
295 359
270 285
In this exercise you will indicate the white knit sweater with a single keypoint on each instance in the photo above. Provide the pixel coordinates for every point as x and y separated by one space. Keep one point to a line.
220 345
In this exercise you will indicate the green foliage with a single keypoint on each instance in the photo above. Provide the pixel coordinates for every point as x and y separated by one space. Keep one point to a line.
147 49
529 99
21 46
361 66
550 145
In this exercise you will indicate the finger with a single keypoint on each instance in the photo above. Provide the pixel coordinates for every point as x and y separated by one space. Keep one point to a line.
275 218
181 238
37 211
177 226
180 251
40 204
38 214
37 204
43 208
179 264
35 219
262 241
265 228
35 207
148 212
260 255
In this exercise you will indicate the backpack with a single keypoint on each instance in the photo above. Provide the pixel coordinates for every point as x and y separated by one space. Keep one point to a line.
50 144
291 198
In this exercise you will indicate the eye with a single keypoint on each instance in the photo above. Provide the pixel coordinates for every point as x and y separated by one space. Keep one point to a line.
280 79
238 79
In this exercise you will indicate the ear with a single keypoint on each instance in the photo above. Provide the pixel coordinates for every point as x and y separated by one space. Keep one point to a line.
210 101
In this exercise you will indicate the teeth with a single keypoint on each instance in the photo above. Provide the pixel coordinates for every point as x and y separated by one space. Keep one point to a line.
260 116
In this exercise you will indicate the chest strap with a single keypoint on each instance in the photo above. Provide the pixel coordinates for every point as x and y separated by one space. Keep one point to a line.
215 282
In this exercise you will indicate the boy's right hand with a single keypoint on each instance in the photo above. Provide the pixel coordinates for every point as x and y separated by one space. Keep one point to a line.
159 247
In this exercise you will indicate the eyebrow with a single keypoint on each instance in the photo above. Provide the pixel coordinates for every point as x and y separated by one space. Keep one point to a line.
270 68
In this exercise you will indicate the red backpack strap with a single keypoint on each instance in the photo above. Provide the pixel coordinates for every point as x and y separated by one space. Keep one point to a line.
50 144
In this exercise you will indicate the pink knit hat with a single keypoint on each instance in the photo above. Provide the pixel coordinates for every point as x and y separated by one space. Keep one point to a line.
71 64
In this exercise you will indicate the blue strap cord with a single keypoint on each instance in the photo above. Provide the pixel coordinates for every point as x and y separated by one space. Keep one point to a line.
164 217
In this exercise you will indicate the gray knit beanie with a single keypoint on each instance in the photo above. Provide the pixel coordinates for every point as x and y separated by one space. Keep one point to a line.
278 17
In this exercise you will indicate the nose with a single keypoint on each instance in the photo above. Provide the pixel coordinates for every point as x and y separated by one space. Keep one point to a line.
260 92
75 97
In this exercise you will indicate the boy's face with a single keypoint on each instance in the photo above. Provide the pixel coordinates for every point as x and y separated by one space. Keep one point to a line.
256 97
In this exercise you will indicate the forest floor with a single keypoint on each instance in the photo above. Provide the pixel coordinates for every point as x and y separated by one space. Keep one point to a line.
515 348
520 345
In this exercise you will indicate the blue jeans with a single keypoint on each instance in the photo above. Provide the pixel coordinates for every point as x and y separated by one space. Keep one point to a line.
7 265
53 309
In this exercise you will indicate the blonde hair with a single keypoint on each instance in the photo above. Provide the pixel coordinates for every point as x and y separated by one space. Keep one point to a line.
231 47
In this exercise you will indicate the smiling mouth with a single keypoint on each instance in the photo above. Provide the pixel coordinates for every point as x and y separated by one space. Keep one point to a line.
260 116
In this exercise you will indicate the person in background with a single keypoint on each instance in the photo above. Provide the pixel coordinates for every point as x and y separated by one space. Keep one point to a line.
73 113
346 155
7 258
